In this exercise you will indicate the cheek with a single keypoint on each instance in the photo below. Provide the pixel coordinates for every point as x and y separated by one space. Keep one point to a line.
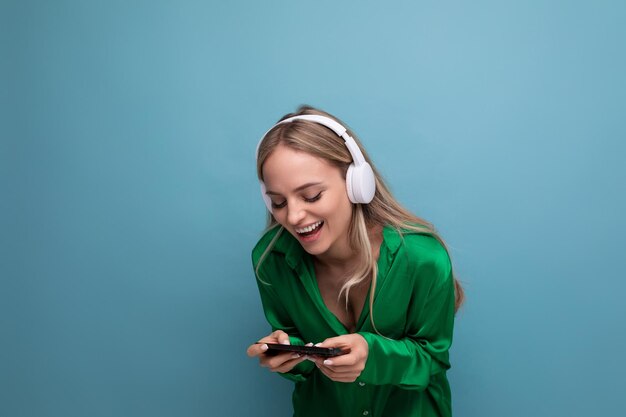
279 216
342 209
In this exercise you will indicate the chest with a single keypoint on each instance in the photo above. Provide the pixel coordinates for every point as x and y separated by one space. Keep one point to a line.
348 313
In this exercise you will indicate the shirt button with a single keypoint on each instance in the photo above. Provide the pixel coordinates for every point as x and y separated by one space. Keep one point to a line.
365 412
361 384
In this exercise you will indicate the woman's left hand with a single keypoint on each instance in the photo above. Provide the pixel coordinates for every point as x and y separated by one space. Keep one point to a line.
348 367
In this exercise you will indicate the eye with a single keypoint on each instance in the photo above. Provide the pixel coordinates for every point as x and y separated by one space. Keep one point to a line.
279 205
313 199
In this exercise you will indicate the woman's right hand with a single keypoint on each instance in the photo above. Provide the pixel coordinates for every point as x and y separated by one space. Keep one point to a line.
281 362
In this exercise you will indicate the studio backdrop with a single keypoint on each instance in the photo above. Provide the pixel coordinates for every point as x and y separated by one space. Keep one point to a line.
130 202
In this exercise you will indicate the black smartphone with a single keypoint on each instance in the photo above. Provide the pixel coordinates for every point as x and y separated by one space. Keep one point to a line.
275 348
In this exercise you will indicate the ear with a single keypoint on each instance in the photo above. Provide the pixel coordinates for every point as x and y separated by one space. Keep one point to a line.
266 198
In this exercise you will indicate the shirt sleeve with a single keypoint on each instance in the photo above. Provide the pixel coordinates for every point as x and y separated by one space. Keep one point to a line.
411 361
278 319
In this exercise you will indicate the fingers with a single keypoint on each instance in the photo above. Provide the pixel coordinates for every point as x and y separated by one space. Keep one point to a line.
256 349
332 365
343 368
281 337
354 345
339 375
350 359
277 336
338 372
282 362
337 341
260 347
347 367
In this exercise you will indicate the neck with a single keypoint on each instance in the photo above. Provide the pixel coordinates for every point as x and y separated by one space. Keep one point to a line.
343 258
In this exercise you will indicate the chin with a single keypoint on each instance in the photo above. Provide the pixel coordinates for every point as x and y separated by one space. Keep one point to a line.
318 248
313 251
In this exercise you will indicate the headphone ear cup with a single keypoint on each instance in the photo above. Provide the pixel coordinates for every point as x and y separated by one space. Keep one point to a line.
266 199
361 183
349 185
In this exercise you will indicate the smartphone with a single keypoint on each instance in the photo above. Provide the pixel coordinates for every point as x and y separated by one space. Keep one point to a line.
275 348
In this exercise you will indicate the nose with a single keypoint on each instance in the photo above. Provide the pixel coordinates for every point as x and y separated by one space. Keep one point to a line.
295 213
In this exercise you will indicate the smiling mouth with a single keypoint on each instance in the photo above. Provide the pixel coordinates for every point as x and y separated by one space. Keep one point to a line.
309 230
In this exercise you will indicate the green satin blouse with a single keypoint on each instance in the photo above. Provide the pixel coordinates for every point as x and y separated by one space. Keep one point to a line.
405 372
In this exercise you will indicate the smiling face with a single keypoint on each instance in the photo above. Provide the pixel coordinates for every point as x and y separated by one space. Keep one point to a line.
309 199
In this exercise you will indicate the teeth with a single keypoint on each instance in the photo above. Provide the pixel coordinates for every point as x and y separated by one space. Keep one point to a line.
309 228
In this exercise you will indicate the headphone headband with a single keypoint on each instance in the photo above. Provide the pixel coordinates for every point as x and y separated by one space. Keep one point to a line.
342 132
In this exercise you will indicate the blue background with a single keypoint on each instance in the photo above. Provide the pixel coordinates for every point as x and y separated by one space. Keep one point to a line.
130 204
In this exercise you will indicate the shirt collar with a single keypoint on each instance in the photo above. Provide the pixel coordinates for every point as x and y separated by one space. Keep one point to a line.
391 238
290 247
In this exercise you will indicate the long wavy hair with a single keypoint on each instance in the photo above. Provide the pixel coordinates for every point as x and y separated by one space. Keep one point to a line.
317 140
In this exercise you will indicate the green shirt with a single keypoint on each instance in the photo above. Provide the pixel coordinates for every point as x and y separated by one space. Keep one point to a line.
405 372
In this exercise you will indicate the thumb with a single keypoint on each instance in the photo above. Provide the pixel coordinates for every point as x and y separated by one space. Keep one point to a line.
282 337
336 341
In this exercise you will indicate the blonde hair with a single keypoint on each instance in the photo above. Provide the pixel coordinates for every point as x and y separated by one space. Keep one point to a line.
319 141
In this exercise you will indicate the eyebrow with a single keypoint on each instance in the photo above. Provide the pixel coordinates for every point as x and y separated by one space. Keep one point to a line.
300 188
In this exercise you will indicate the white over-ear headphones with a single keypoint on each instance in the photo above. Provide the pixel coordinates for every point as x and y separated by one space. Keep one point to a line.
360 180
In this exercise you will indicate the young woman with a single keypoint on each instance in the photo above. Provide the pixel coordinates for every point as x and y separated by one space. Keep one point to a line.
343 265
